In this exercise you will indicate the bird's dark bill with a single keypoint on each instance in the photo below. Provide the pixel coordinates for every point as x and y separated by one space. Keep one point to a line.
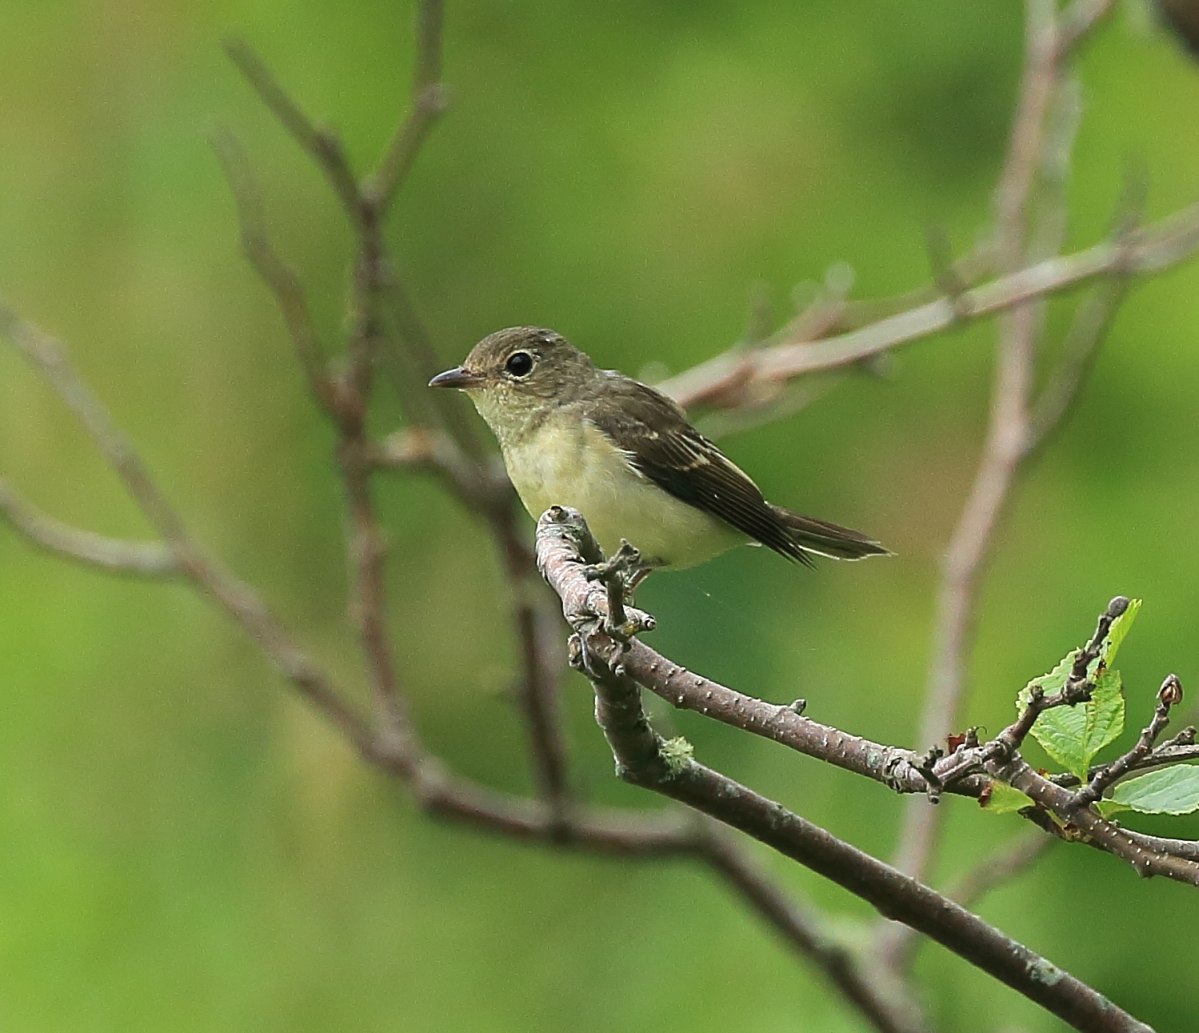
456 377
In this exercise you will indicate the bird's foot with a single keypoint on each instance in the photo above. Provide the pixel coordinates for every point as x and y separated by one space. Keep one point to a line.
624 563
621 573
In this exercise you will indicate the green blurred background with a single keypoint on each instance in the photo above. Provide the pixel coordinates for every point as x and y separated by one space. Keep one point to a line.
186 847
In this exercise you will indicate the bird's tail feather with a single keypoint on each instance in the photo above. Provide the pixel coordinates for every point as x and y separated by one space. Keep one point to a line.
829 539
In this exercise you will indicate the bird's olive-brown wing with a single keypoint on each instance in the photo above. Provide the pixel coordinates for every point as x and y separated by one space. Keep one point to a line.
654 434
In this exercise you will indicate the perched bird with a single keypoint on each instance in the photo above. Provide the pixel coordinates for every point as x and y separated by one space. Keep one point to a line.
625 456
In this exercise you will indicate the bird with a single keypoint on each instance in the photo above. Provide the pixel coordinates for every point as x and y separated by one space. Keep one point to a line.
626 457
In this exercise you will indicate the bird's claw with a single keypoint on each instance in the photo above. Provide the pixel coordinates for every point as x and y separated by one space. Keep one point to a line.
624 563
620 574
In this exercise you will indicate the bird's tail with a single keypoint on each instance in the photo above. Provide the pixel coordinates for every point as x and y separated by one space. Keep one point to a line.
828 539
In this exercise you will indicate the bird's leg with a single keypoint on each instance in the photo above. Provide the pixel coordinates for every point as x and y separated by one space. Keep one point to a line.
635 579
620 573
624 564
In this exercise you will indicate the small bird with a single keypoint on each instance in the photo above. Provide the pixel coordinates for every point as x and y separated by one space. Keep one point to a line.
625 456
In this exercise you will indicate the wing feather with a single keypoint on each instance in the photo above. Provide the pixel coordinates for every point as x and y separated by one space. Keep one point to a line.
660 444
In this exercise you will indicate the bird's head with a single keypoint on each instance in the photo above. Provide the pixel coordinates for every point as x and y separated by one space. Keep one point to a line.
518 375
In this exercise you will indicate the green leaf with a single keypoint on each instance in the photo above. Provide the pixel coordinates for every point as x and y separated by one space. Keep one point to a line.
1173 790
1117 632
1050 683
1063 751
1105 713
1003 799
1073 735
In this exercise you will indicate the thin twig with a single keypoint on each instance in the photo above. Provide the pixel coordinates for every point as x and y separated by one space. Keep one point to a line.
233 596
539 644
1149 250
883 1002
1005 446
141 559
968 271
998 869
320 144
1108 775
367 553
1085 825
537 637
428 102
414 360
1090 326
373 276
1187 848
1079 20
272 270
1159 757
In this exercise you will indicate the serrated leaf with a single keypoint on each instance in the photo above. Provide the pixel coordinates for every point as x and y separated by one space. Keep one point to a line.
1003 799
1173 790
1118 630
1050 683
1105 712
1062 749
1073 735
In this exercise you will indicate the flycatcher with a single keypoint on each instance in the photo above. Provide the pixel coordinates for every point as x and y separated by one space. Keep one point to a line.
625 456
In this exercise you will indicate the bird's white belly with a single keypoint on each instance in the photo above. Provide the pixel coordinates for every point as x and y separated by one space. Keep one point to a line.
571 463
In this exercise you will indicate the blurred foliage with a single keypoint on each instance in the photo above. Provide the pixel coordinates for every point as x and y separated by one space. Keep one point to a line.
187 848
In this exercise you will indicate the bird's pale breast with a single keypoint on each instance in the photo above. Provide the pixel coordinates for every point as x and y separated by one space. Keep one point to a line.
569 462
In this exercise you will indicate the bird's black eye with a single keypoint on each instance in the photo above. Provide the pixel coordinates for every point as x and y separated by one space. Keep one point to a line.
519 364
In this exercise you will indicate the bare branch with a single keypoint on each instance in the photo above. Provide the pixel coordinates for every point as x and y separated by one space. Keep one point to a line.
1031 145
539 643
321 145
537 635
367 552
428 102
1078 20
273 271
142 559
1149 250
1187 848
481 489
414 361
1178 749
233 596
346 398
371 270
1108 775
1088 827
643 759
668 832
1090 326
882 1001
1000 867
